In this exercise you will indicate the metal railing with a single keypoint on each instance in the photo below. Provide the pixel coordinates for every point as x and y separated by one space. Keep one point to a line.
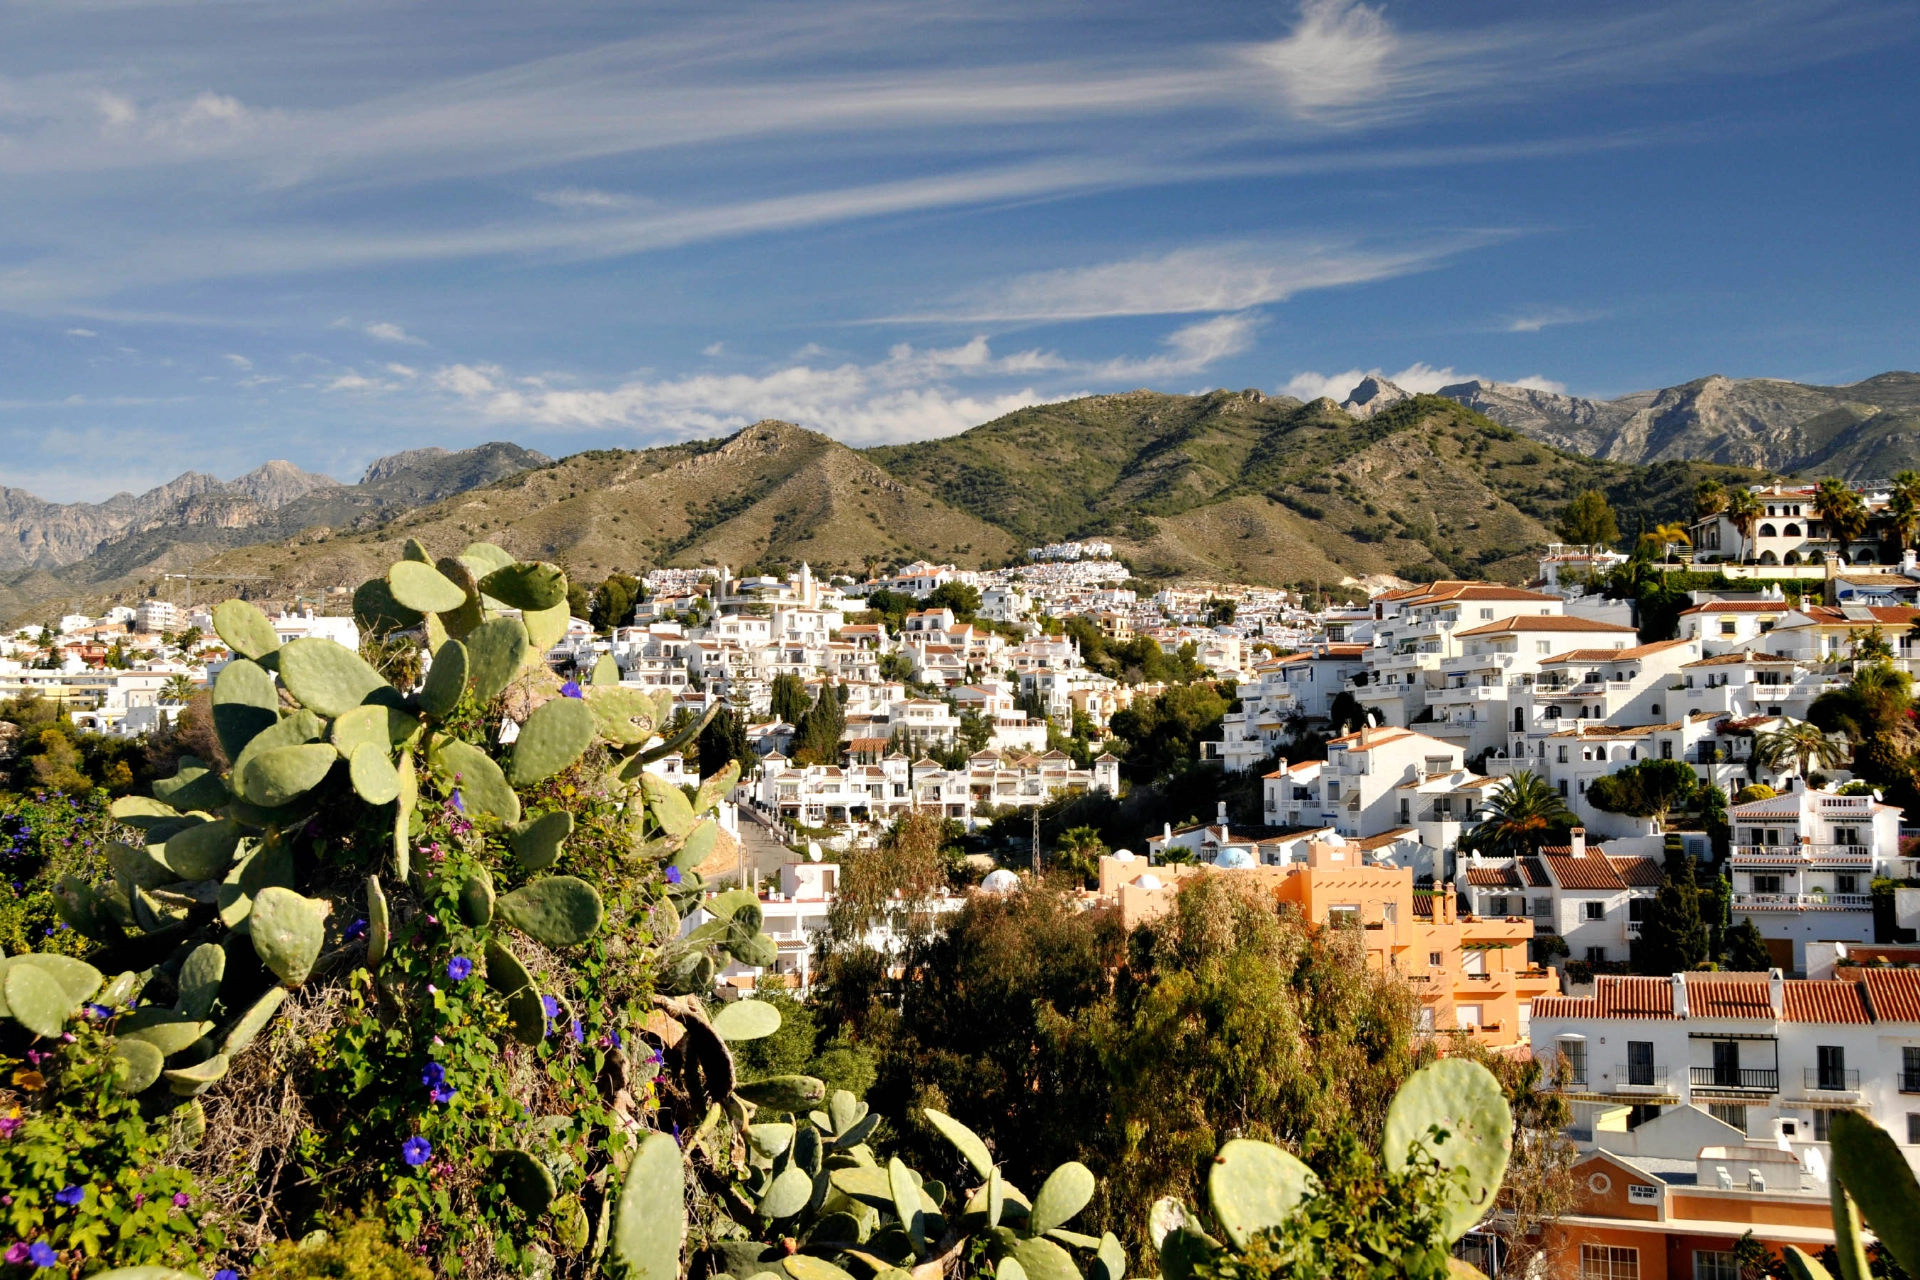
1639 1076
1757 1079
1910 1082
1841 1081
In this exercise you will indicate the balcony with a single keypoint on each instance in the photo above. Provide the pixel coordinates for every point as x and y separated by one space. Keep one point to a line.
1639 1077
1828 1080
1803 855
1803 901
1633 930
1746 1079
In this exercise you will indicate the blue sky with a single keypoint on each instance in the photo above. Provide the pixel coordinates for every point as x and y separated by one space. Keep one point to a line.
239 231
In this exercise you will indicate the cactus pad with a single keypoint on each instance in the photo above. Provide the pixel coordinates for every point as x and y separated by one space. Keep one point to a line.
251 1023
496 649
374 725
964 1140
287 932
487 556
245 701
378 927
483 788
555 735
716 787
36 1000
526 1180
374 778
1044 1260
200 977
1871 1167
536 841
698 846
205 851
561 911
245 629
527 586
1064 1194
1464 1100
295 730
423 588
747 1020
137 1065
1253 1186
783 1093
326 676
275 777
377 612
175 1034
476 899
192 1081
787 1194
446 680
756 951
668 805
545 628
622 716
606 671
505 973
650 1221
194 785
137 868
76 977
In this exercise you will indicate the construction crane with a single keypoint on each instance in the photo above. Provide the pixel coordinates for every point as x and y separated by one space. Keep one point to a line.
190 575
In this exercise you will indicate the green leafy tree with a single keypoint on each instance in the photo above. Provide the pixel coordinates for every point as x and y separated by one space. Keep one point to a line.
961 597
1903 507
724 738
1649 789
1674 935
816 738
1523 815
790 701
1589 521
1345 714
1162 735
612 602
1746 948
1709 499
1845 515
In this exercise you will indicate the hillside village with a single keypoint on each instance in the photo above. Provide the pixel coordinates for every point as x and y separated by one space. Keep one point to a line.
1392 742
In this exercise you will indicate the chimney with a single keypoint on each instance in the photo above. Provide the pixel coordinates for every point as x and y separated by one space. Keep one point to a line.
1777 992
1579 837
1221 817
1679 995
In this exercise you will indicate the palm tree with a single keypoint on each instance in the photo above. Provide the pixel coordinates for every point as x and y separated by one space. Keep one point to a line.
1709 499
1079 852
1520 818
1743 508
1656 540
1840 507
179 689
1903 507
1800 743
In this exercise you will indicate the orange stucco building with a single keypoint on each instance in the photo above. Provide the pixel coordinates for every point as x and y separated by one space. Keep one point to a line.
1472 974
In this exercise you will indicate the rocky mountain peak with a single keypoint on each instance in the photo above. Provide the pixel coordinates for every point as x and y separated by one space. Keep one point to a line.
1372 395
278 482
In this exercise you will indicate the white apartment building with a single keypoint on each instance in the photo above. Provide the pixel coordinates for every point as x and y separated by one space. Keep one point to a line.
156 616
1419 627
1357 789
830 795
1773 1057
1477 697
1300 684
306 624
1803 865
1591 901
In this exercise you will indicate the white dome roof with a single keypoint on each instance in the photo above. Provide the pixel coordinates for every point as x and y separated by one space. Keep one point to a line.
1123 855
1148 881
1000 881
1233 858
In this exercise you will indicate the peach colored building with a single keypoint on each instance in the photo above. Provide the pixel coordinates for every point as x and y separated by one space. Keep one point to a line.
1471 974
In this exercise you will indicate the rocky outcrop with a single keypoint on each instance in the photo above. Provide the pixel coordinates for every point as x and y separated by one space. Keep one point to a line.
1372 395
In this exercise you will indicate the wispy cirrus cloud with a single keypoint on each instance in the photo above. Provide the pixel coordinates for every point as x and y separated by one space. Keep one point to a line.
1549 318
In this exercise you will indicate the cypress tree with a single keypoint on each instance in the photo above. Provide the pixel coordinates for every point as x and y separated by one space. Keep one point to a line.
1673 937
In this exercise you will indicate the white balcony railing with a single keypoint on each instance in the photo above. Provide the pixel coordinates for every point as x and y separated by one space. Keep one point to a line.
1798 901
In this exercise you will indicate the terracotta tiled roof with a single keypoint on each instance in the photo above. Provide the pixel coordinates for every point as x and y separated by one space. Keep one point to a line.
1728 995
1565 1007
1534 872
1740 606
1614 655
1590 872
1893 993
1638 873
1825 1002
1385 838
1618 997
1543 622
1883 615
1740 660
1507 877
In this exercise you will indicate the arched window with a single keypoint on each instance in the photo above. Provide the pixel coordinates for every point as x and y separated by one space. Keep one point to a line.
1791 531
1767 557
1818 557
1656 709
1793 557
1519 719
1767 531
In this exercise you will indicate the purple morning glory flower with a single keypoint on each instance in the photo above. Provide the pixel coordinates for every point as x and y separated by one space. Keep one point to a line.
357 930
673 875
99 1012
458 803
70 1196
441 1093
416 1151
571 689
551 1005
17 1252
579 1032
43 1255
181 1199
434 1076
458 968
226 1273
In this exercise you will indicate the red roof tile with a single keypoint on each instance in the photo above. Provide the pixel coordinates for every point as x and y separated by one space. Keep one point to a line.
1894 994
1618 997
1494 877
1728 995
1590 872
1825 1002
1534 872
1638 873
1543 622
1565 1007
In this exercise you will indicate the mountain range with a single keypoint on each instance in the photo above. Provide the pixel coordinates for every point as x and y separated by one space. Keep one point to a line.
1234 485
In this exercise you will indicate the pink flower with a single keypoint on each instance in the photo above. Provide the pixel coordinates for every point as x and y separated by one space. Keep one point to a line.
181 1199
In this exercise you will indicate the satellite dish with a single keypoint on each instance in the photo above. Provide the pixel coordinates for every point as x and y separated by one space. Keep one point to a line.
813 851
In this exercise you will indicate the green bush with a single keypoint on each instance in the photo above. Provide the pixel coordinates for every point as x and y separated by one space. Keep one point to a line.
358 1251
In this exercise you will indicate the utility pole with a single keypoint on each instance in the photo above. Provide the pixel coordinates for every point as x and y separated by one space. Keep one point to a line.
1036 840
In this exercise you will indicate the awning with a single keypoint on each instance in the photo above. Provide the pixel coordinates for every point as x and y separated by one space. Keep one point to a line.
1731 1035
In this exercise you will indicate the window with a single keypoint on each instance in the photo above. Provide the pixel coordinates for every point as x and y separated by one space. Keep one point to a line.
1913 1129
1832 1070
1846 882
1728 626
1593 911
1406 811
1344 914
1562 784
1636 908
1575 1052
1563 760
1640 1062
1543 646
1910 1069
1715 1264
1766 884
1666 744
1496 906
1726 1114
1609 1262
1487 614
1433 959
1596 955
1543 908
1846 835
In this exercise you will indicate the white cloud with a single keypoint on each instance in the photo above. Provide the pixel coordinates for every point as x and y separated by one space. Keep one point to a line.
81 333
1336 55
238 362
1534 322
586 198
352 382
402 370
1190 349
1416 377
387 332
713 349
1222 277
